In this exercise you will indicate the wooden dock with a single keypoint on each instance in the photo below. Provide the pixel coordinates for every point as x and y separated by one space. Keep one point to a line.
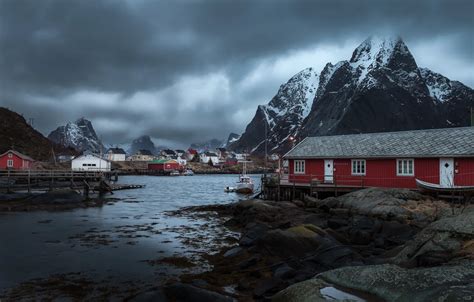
280 188
86 181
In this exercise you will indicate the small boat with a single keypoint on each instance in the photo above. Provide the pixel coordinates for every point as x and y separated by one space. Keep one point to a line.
245 185
174 173
439 188
229 189
188 172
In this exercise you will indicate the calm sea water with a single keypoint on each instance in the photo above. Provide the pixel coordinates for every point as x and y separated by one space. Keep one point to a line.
111 241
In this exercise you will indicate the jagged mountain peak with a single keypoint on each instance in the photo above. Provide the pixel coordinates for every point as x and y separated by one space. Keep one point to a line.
79 135
378 49
380 88
143 142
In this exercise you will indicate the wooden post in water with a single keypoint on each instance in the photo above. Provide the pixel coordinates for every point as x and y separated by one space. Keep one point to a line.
29 181
8 181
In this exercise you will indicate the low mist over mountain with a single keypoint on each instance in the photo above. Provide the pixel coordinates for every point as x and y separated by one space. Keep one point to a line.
381 88
79 135
211 144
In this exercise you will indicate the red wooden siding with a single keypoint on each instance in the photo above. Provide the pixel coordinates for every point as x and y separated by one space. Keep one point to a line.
464 171
18 162
383 172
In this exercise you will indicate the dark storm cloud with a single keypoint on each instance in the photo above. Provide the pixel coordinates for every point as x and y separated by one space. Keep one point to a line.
53 52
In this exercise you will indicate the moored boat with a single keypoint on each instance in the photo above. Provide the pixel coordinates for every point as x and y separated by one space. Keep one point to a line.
244 185
439 188
188 172
174 173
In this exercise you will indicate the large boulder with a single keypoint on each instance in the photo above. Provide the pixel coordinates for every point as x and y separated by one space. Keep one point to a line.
61 196
389 282
440 242
185 292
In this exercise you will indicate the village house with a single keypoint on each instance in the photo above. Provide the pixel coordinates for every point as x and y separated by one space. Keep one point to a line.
239 156
164 165
443 157
182 160
115 154
207 157
167 153
142 155
190 154
90 162
179 152
15 160
231 161
221 153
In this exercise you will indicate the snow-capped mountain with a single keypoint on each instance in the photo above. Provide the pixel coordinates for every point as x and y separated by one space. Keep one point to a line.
79 134
381 88
233 137
283 115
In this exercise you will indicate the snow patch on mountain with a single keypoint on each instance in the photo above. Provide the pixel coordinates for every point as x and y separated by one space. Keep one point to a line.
79 135
439 86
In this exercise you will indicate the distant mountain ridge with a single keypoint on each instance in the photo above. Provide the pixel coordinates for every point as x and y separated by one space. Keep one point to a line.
381 88
16 133
79 135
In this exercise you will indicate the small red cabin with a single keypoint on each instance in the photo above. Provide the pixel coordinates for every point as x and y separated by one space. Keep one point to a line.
393 159
164 165
15 160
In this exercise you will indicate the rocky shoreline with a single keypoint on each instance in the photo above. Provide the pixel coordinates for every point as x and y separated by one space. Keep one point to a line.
56 200
373 245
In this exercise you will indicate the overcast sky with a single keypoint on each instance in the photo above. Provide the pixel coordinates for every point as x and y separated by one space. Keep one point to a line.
187 71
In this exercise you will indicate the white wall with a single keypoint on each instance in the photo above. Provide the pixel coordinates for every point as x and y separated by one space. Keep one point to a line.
205 159
90 163
116 157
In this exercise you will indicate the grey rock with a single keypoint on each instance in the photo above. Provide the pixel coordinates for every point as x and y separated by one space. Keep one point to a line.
233 252
184 292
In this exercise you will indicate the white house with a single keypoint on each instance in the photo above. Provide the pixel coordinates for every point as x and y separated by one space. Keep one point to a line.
206 156
90 162
116 154
182 160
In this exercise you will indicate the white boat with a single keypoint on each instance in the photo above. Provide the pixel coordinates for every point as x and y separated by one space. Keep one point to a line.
439 188
229 189
245 183
188 172
174 173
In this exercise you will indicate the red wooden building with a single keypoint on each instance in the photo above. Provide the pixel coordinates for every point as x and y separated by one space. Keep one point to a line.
15 160
391 159
164 165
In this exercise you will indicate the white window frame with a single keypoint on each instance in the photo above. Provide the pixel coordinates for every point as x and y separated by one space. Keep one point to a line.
403 167
10 163
10 155
299 167
360 166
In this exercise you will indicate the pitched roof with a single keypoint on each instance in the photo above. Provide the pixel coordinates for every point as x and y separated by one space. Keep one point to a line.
21 155
116 151
449 142
144 152
162 161
212 154
168 151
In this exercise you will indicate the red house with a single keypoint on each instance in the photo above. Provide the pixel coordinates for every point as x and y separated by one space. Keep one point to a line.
164 165
391 159
15 160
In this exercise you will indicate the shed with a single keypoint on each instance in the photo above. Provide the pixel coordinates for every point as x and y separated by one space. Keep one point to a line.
15 160
164 165
90 162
